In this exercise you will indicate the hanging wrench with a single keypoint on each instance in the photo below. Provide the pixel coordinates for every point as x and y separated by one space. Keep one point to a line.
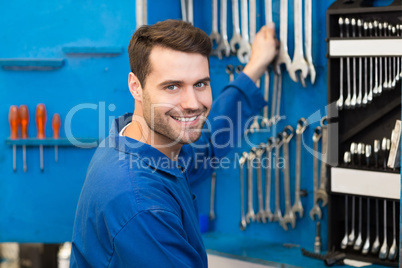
360 95
265 120
316 210
261 212
223 46
190 13
183 5
243 53
268 214
385 85
255 126
354 97
376 82
308 36
283 56
141 12
277 213
289 216
273 102
301 127
396 77
250 213
380 83
390 61
349 97
322 191
215 36
253 19
365 100
339 103
278 100
298 63
236 38
370 95
242 160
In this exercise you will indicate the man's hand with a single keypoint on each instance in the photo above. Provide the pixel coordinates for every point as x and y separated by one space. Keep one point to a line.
263 51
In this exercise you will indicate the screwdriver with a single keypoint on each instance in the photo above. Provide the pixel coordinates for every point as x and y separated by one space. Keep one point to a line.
40 118
56 134
14 120
24 117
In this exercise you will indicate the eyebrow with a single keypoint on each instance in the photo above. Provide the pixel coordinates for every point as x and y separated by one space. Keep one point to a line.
179 82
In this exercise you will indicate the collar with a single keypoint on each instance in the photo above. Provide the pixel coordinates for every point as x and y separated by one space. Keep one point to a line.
142 152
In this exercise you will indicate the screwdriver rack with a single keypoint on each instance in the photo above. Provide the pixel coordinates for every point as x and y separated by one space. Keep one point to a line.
356 190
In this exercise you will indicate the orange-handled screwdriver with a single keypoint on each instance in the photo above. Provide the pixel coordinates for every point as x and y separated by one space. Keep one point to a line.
14 120
24 117
56 134
40 119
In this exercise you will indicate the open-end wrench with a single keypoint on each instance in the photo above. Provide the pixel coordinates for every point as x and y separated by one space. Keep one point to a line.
265 120
339 102
260 216
242 160
215 36
277 213
236 37
354 97
316 210
301 127
298 62
230 72
349 96
322 191
308 36
223 46
384 248
250 216
385 85
244 51
370 95
283 55
360 95
365 100
268 214
140 13
376 82
344 243
212 202
380 83
289 216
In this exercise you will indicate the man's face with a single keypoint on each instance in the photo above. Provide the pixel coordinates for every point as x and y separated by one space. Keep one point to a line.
177 95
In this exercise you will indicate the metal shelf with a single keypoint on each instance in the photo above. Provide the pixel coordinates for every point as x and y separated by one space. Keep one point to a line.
338 47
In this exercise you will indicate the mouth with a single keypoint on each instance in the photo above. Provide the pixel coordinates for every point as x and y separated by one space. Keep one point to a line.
185 119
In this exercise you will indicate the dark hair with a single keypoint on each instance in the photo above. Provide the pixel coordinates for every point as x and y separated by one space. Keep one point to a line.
174 34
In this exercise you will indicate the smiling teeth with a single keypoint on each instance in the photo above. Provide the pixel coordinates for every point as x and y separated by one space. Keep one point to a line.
185 119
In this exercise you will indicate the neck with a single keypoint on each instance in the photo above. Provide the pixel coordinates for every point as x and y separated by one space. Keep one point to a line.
139 130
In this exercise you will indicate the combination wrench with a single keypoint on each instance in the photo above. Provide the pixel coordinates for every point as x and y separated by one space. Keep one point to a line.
316 210
354 96
385 85
283 55
260 216
301 127
140 13
308 37
322 191
339 102
215 36
250 216
268 214
360 95
365 97
348 99
243 53
344 243
242 161
376 82
370 94
289 216
298 63
223 46
236 37
277 213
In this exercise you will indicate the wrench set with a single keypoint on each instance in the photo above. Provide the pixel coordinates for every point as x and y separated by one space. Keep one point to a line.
364 96
274 156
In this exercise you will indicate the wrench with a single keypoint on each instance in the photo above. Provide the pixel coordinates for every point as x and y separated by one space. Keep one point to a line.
366 246
268 11
190 15
212 201
268 214
384 247
377 83
360 97
396 78
376 244
359 240
223 46
344 243
255 126
349 97
261 212
316 210
339 102
274 98
322 191
283 56
278 100
230 72
236 38
365 100
141 12
298 63
390 61
354 97
385 85
277 213
289 216
398 65
183 5
370 95
253 19
242 160
307 33
393 249
380 83
215 36
250 213
301 127
351 237
243 53
265 121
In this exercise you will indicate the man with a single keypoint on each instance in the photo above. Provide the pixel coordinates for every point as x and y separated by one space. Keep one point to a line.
136 208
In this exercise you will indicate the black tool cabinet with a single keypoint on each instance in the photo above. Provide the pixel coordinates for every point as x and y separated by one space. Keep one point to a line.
361 124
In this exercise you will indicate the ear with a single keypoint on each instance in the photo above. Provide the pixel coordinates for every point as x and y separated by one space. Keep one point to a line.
135 87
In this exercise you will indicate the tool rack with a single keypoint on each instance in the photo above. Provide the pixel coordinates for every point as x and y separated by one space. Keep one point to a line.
361 124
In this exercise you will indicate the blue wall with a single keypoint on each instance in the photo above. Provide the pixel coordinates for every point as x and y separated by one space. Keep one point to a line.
40 207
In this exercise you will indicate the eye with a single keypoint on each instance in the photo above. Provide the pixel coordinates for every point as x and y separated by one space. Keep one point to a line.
200 84
171 87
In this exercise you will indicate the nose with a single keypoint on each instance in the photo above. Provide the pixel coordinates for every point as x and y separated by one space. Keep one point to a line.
189 99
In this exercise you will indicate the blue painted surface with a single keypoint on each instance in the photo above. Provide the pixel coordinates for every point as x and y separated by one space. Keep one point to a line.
90 92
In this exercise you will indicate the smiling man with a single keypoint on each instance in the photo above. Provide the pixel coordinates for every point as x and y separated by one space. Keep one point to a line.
136 208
